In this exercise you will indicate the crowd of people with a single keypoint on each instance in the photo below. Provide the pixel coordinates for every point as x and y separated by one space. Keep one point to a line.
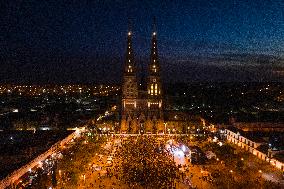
145 163
137 162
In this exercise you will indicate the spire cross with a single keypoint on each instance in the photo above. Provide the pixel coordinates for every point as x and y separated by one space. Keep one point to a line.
154 26
129 27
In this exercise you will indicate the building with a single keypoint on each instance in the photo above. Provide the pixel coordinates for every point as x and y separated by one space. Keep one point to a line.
259 126
254 143
142 102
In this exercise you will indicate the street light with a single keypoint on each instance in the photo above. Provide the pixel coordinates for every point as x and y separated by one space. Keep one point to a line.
231 176
84 177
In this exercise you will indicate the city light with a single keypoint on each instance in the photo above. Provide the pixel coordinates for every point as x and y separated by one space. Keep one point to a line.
183 148
86 104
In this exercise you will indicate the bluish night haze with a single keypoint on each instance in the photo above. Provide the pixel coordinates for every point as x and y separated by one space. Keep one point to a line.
58 41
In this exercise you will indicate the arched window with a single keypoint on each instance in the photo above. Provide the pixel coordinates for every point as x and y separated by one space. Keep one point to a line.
152 89
156 89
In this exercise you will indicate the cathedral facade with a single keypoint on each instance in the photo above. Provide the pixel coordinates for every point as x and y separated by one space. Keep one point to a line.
142 101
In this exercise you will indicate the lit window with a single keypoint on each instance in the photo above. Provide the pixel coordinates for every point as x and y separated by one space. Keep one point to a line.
156 89
152 89
129 60
154 61
129 68
128 52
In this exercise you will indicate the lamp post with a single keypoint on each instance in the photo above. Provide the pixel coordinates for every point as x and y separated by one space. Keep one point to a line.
260 177
84 178
231 171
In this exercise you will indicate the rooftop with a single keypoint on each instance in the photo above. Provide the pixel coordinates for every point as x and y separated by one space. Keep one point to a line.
263 148
279 157
255 136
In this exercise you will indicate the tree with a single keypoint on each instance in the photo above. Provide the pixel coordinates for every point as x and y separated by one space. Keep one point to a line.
240 165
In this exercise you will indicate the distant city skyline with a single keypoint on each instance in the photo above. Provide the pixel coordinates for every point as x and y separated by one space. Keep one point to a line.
85 42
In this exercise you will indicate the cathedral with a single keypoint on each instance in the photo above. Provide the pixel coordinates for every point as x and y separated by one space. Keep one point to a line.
142 101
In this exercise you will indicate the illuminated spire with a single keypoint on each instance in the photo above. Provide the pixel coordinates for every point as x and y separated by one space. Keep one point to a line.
154 62
129 61
154 85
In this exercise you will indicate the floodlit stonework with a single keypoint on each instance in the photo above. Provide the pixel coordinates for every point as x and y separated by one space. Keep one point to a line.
142 102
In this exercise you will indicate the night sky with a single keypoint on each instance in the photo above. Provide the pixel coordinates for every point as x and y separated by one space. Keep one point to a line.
85 41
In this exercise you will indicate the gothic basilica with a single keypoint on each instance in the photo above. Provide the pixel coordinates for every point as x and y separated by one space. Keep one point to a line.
142 102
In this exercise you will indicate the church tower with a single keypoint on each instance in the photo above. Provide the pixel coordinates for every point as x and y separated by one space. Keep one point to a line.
142 108
129 87
154 85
